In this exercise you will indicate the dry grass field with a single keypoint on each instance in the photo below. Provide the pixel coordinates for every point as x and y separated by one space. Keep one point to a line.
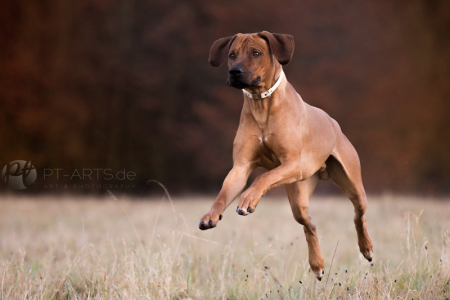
52 248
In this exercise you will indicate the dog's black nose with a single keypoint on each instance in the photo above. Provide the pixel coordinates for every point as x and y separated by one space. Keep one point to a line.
236 71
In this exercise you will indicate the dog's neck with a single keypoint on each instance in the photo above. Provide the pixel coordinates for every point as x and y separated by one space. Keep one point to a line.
260 108
267 83
266 93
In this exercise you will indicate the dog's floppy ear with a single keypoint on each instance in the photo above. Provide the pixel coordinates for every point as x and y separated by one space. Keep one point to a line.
219 51
281 45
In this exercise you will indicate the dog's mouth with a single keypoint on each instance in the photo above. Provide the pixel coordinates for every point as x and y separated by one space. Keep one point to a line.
241 82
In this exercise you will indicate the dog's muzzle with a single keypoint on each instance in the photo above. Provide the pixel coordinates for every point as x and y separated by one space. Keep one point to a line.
239 79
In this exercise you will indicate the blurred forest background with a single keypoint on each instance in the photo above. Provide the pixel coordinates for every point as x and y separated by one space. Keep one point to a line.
125 84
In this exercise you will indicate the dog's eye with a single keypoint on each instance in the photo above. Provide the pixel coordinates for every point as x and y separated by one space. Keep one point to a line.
232 55
256 53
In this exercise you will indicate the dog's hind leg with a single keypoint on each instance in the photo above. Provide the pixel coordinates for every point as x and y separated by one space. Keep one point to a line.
345 171
299 193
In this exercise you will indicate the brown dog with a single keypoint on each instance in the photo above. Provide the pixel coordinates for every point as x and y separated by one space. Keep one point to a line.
298 143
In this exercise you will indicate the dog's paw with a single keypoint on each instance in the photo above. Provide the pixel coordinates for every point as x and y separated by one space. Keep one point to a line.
248 201
368 255
366 248
319 274
209 220
317 264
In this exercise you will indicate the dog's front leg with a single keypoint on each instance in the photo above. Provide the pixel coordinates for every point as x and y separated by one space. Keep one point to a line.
287 172
234 183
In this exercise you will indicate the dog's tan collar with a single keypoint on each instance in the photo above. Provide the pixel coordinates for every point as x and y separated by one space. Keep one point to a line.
267 93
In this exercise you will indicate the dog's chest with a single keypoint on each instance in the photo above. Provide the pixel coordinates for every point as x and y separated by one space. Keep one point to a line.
268 159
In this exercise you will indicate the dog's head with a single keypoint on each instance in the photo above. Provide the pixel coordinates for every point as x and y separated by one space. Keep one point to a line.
252 58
